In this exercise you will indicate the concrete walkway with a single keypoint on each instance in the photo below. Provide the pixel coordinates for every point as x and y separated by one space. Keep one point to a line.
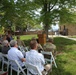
63 37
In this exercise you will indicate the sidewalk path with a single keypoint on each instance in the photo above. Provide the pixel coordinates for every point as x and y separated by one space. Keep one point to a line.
63 36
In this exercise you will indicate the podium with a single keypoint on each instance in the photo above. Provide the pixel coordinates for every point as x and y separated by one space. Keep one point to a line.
42 38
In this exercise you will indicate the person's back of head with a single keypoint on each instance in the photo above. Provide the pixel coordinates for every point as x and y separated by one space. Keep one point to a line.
13 43
5 43
33 44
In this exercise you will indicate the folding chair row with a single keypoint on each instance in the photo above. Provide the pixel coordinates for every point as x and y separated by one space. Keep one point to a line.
19 69
31 69
49 57
7 62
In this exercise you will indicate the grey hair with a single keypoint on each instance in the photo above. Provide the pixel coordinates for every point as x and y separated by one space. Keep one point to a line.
13 43
5 42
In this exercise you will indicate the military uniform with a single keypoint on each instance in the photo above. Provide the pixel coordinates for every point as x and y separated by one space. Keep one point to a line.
49 47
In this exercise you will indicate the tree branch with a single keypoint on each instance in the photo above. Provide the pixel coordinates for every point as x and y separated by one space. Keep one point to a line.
53 5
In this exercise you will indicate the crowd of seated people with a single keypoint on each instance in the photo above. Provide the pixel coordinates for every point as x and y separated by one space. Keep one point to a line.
32 56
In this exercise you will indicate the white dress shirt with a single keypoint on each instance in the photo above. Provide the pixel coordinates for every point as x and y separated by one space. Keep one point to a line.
15 54
35 58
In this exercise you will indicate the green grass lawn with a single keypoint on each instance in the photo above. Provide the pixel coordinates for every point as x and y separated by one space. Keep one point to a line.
26 37
66 58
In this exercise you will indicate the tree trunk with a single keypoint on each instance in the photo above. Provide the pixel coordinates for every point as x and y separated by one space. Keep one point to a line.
46 30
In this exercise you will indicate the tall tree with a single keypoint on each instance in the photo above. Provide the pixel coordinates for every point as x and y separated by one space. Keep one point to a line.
55 10
23 12
17 12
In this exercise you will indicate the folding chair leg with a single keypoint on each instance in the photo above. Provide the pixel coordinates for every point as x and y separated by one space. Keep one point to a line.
17 73
2 66
54 62
11 71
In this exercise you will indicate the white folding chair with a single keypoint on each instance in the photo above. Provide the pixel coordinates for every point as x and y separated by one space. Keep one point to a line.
5 61
17 68
49 57
34 69
26 49
21 48
0 56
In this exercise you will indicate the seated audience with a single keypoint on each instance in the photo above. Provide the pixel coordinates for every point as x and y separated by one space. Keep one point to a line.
5 47
49 46
15 54
36 58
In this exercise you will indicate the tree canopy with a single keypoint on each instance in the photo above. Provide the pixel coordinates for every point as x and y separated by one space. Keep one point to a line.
25 12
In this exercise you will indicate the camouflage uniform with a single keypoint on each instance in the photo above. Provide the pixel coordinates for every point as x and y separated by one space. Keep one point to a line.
50 47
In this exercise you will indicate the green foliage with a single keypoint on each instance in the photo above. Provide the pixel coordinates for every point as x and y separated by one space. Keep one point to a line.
19 13
22 13
1 30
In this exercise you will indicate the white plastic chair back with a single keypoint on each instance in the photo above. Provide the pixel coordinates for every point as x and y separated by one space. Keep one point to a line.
32 69
5 61
49 57
19 69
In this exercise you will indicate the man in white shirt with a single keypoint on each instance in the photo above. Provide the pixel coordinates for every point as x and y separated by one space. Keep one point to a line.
15 54
35 58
